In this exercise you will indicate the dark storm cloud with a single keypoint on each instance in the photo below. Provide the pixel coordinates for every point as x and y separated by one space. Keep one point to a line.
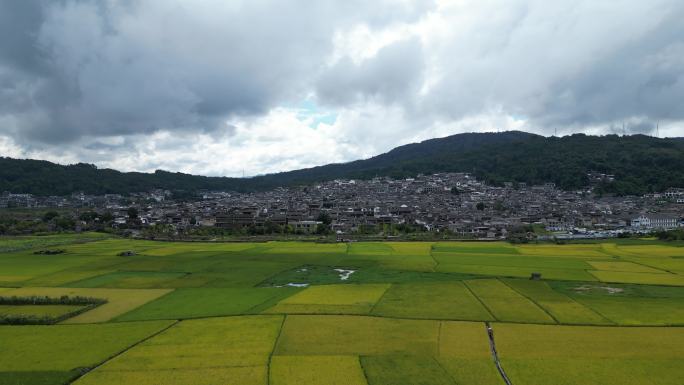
82 78
394 74
71 69
569 65
644 78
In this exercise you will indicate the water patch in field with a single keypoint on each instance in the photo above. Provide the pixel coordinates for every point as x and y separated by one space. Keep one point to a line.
293 284
345 273
608 289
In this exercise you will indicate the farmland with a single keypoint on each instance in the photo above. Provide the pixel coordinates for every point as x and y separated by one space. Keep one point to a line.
360 313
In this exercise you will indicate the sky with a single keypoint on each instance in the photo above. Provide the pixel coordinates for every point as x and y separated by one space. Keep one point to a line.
232 88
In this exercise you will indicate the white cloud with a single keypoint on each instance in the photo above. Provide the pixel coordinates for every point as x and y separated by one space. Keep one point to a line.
215 88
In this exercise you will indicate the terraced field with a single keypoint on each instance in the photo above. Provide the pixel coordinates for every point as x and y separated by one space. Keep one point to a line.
361 313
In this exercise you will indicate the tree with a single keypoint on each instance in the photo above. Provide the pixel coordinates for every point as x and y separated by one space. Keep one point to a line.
455 191
133 213
480 206
325 218
50 215
88 216
324 227
107 217
64 223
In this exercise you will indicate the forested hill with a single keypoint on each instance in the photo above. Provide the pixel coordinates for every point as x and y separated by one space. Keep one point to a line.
640 164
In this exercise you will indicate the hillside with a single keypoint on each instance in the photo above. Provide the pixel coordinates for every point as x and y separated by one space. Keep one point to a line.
640 164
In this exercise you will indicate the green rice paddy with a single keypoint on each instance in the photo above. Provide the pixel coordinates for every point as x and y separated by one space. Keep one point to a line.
354 314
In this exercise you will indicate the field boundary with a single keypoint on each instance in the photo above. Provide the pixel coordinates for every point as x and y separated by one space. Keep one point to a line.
363 368
495 354
649 266
611 325
533 301
480 301
372 309
446 372
610 321
434 268
275 345
176 322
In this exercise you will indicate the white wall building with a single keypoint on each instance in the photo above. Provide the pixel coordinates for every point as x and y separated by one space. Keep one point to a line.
655 221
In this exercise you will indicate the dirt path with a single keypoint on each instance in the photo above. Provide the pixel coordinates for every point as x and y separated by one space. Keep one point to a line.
495 355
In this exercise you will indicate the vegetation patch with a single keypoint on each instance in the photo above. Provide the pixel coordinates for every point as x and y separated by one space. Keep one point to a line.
45 377
248 375
37 310
316 370
377 248
624 267
356 336
50 252
464 353
512 271
129 280
332 299
506 304
640 278
119 301
230 350
209 302
10 244
63 348
437 300
563 308
579 355
405 370
474 247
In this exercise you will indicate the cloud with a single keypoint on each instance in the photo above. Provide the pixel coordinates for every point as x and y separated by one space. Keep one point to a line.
560 64
215 87
393 74
85 68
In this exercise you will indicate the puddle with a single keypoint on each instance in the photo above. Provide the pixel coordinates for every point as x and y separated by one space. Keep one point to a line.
293 284
344 273
610 290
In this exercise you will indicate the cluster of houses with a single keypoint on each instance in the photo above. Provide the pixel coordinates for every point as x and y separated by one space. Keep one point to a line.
454 202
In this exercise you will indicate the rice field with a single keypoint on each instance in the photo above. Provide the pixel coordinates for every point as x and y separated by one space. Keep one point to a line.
431 300
119 301
208 302
282 313
55 353
562 308
578 355
39 310
332 299
189 350
315 370
505 304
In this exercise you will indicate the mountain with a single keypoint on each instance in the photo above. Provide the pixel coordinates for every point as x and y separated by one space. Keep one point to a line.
640 164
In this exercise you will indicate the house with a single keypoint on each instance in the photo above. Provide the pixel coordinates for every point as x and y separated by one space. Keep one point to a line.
655 222
307 227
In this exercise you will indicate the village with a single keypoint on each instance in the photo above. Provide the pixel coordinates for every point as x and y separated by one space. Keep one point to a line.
453 203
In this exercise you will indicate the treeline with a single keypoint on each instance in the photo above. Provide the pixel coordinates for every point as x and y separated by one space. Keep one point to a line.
640 164
671 235
85 303
53 221
45 300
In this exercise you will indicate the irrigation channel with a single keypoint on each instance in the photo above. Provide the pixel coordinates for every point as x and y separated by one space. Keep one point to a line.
495 355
